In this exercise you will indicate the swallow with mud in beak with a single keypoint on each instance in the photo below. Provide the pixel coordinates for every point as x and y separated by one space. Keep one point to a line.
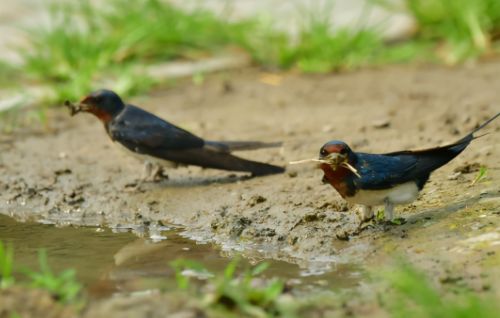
384 179
160 143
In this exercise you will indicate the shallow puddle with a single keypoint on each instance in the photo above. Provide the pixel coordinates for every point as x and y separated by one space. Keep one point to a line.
109 261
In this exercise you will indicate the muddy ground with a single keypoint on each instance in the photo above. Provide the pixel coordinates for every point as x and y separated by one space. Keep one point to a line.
73 174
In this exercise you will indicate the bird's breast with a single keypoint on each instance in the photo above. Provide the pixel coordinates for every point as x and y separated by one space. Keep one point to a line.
338 179
400 194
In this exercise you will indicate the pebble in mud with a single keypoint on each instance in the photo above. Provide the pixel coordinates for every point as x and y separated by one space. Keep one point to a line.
265 232
468 167
256 199
73 198
381 123
239 226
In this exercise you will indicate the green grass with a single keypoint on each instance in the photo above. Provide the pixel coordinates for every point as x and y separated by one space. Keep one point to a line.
403 292
481 175
6 265
233 294
9 75
89 46
464 28
64 287
86 47
318 48
412 295
455 30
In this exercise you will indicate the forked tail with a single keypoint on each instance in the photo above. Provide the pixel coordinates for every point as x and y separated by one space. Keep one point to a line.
470 136
230 146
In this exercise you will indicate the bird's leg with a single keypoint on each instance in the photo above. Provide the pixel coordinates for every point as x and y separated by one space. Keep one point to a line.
158 173
388 210
148 169
366 213
153 172
136 185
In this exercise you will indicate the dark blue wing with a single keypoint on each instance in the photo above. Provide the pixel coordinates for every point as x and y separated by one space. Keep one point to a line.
379 171
386 170
143 132
382 172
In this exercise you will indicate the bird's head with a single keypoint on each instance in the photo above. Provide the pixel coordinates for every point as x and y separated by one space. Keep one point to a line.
104 104
332 155
335 154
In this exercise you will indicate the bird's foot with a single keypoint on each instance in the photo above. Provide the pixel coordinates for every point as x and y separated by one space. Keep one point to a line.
396 221
134 186
158 175
366 224
365 213
366 218
154 173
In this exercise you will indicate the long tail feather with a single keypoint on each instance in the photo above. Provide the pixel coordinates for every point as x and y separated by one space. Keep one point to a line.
457 146
470 136
230 146
208 158
485 123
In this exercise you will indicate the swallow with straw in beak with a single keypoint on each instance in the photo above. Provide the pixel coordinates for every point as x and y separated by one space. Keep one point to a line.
384 179
159 143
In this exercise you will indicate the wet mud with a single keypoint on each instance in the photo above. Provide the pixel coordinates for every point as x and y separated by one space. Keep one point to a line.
72 174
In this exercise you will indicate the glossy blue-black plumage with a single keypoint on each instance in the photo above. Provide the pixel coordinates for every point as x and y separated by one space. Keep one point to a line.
380 171
384 171
107 101
146 134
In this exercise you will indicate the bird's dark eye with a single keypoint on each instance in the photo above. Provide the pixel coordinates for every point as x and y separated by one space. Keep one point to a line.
323 152
343 151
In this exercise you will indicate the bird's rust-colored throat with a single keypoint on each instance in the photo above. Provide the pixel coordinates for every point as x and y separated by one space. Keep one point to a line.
103 116
76 108
336 178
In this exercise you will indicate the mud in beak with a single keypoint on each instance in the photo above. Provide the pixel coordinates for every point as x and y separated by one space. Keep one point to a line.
333 159
336 160
74 108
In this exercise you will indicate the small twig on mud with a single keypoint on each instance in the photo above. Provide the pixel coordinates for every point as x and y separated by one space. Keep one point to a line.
305 161
344 164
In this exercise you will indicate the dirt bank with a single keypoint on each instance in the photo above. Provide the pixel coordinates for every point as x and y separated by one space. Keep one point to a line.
73 174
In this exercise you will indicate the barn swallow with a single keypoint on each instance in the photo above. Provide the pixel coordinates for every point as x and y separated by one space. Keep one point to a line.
385 179
159 142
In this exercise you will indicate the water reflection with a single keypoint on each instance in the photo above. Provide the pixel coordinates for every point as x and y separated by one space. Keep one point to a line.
109 261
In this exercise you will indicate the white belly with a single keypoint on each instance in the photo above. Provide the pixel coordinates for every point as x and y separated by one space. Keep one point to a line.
401 194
